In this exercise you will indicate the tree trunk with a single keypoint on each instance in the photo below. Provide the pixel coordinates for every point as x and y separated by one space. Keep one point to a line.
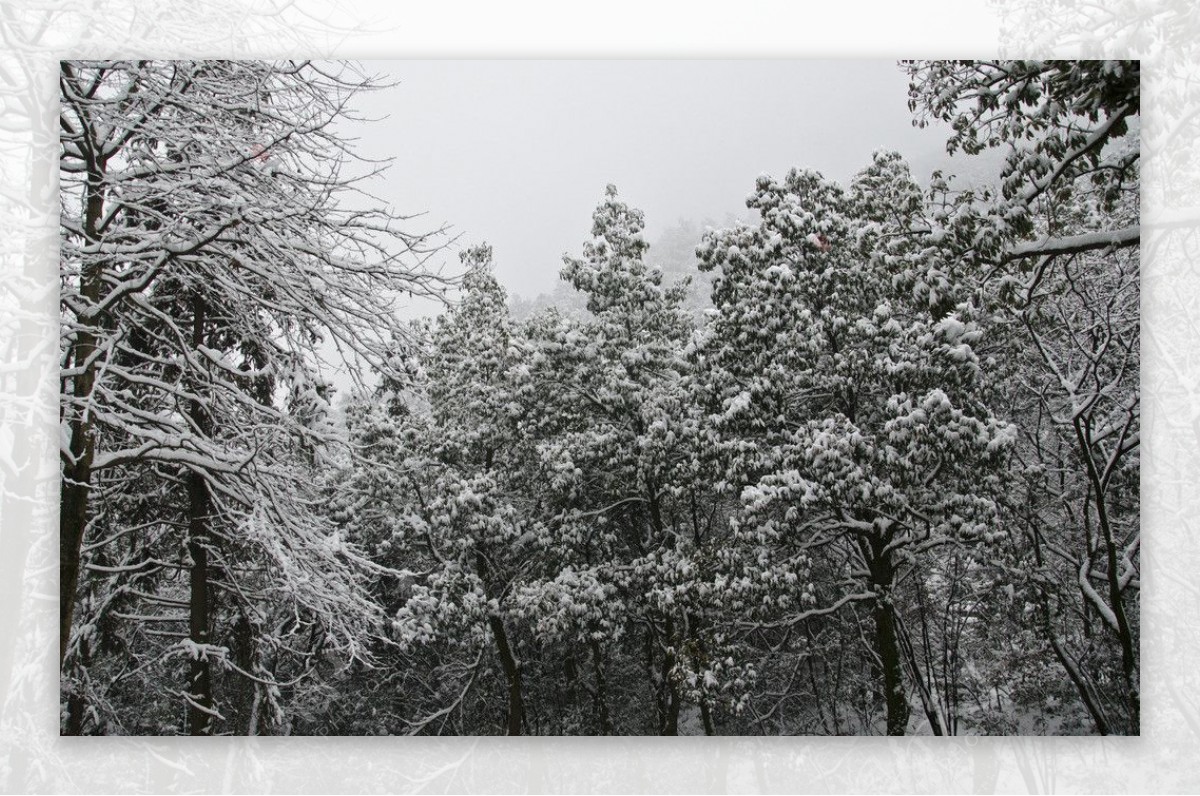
706 717
601 697
695 627
72 521
670 724
77 470
652 677
1093 705
199 684
512 673
893 680
508 661
887 643
76 703
1123 630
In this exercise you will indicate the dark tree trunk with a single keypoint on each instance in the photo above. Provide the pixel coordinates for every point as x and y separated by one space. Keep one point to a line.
199 684
76 706
924 683
652 675
72 521
1080 681
893 682
76 702
1124 632
669 713
670 723
696 627
77 470
508 661
601 696
887 643
512 673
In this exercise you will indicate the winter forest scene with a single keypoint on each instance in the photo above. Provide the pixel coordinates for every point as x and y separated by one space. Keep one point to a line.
855 452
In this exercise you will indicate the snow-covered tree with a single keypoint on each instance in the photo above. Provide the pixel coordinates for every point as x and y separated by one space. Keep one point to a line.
884 480
1058 249
1067 127
851 418
437 498
631 528
210 259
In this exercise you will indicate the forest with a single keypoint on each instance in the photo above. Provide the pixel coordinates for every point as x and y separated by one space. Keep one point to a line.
865 463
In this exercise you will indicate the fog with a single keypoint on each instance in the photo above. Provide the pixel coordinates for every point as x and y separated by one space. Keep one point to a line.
518 153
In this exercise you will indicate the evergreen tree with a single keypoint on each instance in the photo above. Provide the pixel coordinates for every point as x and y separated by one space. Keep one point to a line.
852 418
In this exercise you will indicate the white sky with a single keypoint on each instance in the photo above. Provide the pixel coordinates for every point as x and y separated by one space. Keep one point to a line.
517 153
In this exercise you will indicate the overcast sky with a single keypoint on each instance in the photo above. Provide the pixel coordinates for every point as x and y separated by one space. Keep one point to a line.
517 153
